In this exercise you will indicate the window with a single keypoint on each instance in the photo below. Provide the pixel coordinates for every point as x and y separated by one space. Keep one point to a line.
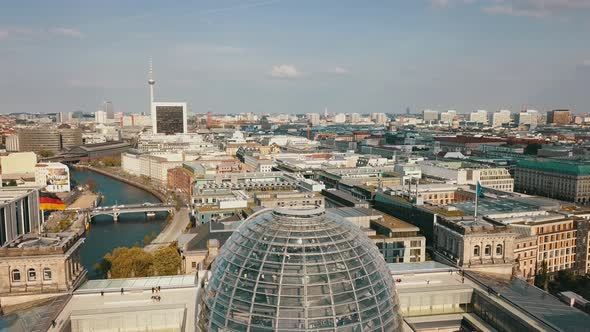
15 275
32 275
476 250
488 250
47 274
194 264
499 249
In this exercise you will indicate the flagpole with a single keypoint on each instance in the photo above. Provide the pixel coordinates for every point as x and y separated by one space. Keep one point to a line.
477 190
476 201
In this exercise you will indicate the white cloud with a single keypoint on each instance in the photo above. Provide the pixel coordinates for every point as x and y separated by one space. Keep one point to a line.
67 32
510 10
340 70
519 8
285 71
28 33
209 49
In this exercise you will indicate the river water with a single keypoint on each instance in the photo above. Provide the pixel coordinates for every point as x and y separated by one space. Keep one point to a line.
104 234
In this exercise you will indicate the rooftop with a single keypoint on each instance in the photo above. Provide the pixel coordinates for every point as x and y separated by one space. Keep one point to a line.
570 167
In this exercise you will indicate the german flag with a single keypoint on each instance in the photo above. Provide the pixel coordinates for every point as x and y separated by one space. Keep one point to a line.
49 201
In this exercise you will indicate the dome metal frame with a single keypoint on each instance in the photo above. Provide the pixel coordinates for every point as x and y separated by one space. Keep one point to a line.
299 269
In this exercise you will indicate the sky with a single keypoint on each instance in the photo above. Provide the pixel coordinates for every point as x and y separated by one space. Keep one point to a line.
296 56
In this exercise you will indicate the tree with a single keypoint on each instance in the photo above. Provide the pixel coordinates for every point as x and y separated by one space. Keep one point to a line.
542 278
46 153
91 183
129 262
166 261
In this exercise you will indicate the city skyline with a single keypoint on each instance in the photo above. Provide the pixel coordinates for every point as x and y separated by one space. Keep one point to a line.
297 57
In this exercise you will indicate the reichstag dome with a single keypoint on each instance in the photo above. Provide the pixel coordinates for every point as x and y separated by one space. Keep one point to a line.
299 269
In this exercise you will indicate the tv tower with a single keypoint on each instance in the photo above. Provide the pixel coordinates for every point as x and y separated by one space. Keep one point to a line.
152 82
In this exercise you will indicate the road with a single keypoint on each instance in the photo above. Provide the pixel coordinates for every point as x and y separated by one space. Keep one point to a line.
172 230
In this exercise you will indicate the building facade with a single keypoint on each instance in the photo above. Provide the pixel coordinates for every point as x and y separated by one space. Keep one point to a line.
39 139
19 212
32 264
559 179
559 117
54 176
169 118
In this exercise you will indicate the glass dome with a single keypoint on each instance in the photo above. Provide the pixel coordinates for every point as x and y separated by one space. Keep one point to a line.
299 269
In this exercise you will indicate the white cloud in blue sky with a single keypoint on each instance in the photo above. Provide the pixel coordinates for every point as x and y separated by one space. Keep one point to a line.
352 56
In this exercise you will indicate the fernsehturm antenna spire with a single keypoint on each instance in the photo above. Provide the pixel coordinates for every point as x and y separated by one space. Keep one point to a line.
152 82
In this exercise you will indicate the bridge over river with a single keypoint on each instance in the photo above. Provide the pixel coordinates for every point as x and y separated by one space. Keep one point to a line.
116 210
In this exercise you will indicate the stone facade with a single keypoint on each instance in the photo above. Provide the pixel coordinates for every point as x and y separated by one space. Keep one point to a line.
49 264
477 245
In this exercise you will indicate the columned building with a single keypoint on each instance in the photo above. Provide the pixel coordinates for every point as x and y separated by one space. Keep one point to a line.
19 212
34 264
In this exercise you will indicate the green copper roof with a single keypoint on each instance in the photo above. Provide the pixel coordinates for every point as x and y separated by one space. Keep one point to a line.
578 168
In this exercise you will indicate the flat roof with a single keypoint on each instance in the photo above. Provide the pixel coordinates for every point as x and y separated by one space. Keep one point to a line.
106 285
538 303
490 207
419 267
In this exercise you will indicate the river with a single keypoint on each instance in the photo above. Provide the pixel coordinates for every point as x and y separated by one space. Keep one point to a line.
104 234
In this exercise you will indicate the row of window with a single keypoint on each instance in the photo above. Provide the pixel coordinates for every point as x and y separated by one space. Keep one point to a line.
31 274
487 250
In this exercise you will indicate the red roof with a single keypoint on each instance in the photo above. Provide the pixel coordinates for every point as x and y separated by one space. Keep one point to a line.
469 139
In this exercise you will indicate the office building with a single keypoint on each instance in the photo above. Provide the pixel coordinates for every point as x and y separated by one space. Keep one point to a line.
39 139
528 118
12 144
354 118
288 199
313 118
559 117
501 118
448 117
480 117
109 110
566 180
430 116
70 138
277 271
379 118
19 212
339 118
100 117
55 177
169 118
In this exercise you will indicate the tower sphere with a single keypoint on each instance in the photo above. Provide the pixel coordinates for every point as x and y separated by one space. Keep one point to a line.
299 269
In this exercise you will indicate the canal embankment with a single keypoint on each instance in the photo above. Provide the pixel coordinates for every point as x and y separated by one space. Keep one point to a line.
158 193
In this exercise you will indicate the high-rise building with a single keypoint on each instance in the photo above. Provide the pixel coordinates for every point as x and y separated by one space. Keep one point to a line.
169 118
430 116
528 117
354 118
299 269
339 118
480 116
448 116
379 118
70 138
39 139
108 108
559 117
501 118
313 118
100 116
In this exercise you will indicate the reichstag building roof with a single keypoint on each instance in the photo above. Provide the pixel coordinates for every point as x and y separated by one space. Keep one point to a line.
299 269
